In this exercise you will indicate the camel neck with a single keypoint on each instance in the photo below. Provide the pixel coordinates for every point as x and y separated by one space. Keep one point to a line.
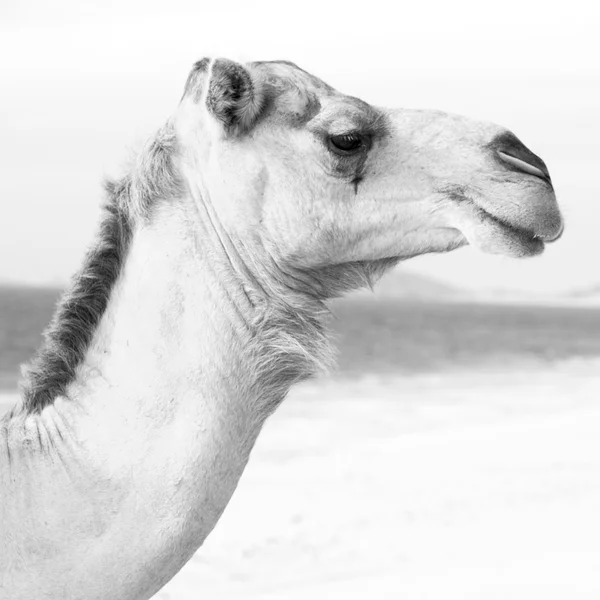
182 346
179 323
166 406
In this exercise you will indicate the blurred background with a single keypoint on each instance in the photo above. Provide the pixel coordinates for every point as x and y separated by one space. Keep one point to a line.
455 451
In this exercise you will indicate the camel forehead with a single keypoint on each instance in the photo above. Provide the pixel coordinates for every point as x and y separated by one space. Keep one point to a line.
284 74
299 96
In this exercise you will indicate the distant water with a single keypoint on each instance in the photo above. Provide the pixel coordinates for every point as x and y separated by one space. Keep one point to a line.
24 313
385 336
376 335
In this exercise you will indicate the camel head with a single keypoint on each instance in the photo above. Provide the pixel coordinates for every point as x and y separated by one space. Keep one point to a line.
318 178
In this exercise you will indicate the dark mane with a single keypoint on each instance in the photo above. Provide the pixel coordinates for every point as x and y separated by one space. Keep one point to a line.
81 308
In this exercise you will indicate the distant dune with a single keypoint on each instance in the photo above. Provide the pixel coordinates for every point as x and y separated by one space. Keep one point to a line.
590 291
587 296
402 283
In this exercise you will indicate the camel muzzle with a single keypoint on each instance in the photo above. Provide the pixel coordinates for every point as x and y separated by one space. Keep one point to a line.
539 215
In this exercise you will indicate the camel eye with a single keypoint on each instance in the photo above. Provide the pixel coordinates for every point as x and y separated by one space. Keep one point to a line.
346 143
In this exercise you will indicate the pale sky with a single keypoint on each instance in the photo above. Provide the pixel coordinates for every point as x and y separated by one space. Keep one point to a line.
81 86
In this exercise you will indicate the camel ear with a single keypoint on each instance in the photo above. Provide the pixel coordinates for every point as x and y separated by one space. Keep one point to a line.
235 98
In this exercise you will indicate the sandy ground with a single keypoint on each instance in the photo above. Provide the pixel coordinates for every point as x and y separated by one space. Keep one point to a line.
457 486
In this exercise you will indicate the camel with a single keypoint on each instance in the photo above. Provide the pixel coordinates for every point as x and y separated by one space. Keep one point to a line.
203 299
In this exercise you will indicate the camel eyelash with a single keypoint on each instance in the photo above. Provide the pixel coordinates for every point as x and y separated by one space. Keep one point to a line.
347 144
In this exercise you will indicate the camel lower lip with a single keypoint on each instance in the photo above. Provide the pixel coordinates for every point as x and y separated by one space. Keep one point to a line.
521 233
529 243
525 233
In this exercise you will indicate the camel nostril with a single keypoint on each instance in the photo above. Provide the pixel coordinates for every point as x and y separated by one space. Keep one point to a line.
519 164
517 157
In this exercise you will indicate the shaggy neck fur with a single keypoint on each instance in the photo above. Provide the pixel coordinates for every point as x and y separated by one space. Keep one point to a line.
78 314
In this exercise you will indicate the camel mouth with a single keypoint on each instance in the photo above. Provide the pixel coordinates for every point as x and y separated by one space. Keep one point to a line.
548 237
522 241
497 235
528 241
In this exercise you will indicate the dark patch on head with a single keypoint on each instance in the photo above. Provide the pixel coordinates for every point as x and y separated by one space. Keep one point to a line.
80 309
294 94
305 106
284 70
369 119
